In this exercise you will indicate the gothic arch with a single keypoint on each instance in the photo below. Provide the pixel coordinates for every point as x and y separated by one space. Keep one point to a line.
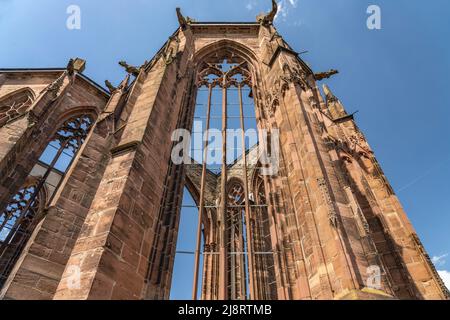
193 191
15 104
74 112
226 46
233 52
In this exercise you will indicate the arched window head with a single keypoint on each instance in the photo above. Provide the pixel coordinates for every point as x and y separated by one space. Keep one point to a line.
74 131
15 105
224 73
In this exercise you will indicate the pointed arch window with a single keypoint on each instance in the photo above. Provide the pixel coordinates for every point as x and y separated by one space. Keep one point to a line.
15 105
228 267
27 207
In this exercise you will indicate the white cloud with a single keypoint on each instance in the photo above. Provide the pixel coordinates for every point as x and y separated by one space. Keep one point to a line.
439 260
284 6
251 4
445 275
293 3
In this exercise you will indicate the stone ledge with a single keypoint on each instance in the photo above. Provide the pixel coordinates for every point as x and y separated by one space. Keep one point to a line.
365 294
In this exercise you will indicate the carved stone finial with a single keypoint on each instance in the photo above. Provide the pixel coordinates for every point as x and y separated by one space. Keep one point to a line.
325 75
70 67
181 19
190 20
129 69
56 85
110 86
75 65
328 94
267 19
124 84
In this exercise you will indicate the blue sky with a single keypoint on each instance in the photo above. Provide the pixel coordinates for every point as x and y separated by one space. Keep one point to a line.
397 77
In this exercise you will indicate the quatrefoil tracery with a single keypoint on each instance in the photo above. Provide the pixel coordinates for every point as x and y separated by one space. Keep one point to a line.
74 131
15 106
214 75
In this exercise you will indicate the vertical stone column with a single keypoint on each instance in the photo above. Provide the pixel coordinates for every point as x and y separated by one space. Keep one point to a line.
331 245
407 266
115 244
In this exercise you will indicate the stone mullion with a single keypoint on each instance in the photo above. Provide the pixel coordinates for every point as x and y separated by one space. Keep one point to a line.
214 258
205 288
208 263
259 268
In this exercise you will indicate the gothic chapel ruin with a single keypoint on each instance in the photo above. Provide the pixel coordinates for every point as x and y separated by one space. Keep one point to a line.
90 199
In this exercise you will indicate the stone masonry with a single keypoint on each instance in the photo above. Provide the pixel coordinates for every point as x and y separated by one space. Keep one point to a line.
112 225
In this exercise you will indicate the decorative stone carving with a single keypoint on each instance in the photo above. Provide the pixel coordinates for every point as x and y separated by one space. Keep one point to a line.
183 21
272 100
71 67
293 75
15 105
129 69
123 85
325 75
332 215
56 85
313 101
267 19
172 48
110 86
331 98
